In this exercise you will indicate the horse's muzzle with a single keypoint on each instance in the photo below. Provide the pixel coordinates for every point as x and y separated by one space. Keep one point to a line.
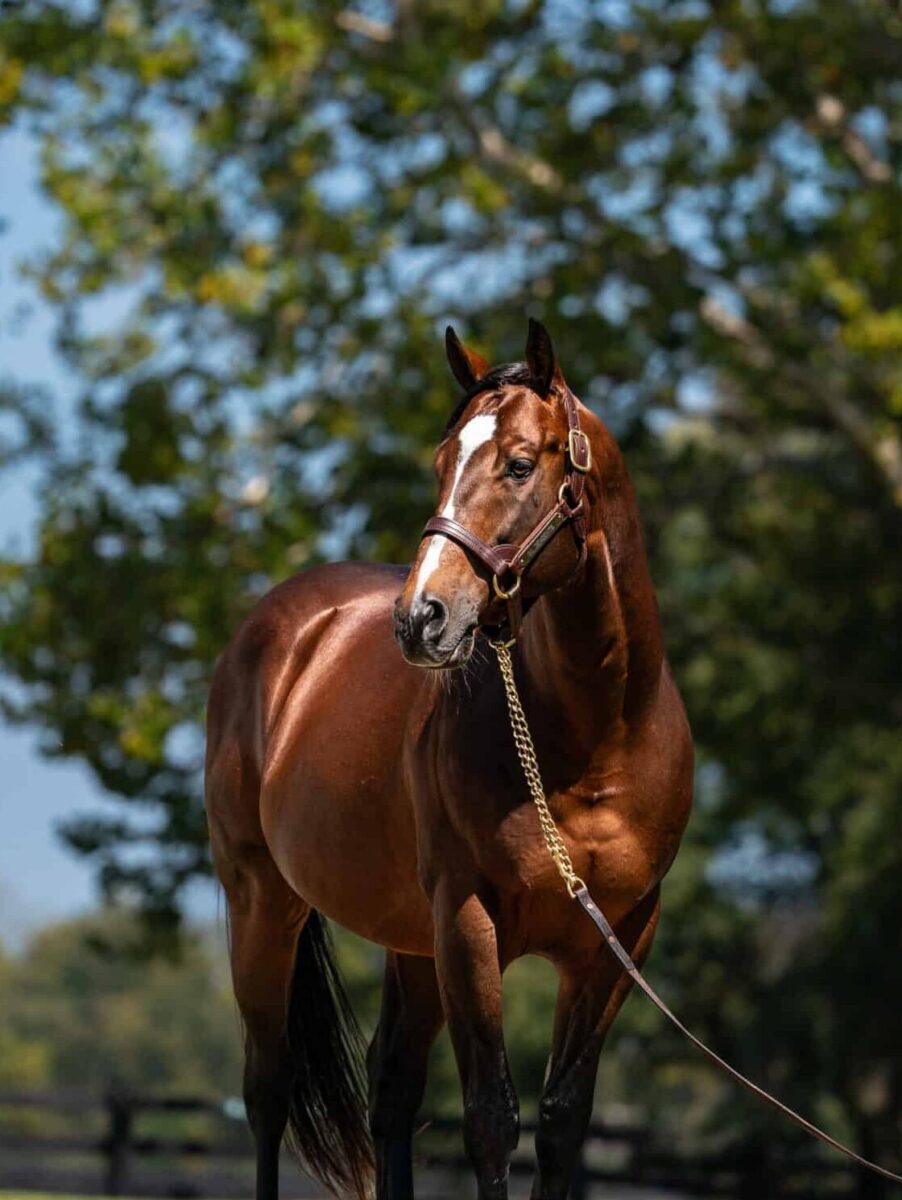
428 637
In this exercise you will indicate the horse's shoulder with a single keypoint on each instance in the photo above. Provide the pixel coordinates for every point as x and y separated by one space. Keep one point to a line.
290 605
334 583
293 614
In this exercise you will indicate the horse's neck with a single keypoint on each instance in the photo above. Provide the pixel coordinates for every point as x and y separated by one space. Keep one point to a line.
592 650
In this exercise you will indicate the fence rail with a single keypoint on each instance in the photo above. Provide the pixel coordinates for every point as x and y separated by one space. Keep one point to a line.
215 1157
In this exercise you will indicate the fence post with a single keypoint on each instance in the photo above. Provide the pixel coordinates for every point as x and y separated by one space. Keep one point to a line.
120 1113
755 1177
579 1187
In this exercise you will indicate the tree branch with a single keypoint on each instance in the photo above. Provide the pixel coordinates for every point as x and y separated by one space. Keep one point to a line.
493 146
883 452
832 119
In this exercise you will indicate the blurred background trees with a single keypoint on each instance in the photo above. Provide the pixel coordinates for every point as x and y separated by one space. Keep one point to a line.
81 1010
269 210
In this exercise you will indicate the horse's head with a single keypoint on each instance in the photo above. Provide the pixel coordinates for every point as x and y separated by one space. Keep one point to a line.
500 468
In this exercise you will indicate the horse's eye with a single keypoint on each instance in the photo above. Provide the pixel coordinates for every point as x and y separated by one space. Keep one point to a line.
520 468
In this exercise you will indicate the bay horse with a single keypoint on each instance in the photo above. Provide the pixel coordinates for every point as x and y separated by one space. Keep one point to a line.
382 790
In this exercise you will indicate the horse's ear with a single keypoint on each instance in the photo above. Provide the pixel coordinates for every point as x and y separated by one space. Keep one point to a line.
540 357
467 366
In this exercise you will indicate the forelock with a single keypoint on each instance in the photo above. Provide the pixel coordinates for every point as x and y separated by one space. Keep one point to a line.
505 375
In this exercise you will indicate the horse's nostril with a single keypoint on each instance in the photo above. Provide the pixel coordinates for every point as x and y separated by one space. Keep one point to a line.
424 622
427 620
433 618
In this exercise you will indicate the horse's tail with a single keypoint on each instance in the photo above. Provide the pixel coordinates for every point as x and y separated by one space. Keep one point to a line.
327 1118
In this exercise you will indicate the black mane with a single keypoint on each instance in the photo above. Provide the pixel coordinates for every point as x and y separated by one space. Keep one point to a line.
506 375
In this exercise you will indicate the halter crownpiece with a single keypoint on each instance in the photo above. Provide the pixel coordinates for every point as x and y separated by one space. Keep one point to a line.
509 562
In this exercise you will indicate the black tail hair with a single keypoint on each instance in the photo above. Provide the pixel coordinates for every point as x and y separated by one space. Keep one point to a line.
327 1118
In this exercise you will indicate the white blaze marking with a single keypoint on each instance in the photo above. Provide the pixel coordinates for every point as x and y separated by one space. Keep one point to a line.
474 434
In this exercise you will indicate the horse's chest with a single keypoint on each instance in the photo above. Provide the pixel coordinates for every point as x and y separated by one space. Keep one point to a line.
478 815
509 848
513 851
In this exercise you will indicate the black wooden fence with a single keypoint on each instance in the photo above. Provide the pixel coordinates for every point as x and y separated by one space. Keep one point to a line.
124 1144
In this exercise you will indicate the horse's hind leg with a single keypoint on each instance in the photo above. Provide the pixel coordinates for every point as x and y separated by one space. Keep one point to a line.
265 919
590 996
411 1017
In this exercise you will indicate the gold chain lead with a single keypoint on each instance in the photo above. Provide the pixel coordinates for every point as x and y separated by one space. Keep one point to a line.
526 752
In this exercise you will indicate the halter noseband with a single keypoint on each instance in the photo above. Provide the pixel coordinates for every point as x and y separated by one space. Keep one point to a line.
508 562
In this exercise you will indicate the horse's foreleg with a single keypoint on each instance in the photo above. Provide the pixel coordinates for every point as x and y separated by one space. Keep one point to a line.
591 993
410 1018
470 981
265 920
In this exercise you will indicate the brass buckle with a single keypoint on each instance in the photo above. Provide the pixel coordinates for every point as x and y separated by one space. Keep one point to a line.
500 644
577 438
572 509
499 591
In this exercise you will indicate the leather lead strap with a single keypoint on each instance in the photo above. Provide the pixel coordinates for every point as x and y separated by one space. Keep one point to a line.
616 947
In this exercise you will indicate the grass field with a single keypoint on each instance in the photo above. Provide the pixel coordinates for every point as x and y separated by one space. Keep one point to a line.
4 1195
7 1195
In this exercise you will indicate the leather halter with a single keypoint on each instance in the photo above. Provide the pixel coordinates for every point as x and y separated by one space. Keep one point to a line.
509 562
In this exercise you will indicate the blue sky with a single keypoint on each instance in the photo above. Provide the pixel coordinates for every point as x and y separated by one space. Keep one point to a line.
39 878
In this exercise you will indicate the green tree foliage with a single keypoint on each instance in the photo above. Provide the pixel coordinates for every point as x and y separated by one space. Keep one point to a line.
269 210
79 1009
